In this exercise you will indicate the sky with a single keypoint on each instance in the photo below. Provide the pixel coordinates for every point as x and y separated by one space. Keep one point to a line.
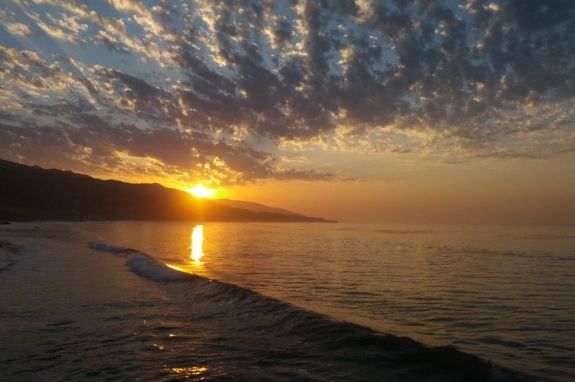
406 111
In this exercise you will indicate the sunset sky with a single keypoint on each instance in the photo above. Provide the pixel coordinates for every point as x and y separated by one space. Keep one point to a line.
393 111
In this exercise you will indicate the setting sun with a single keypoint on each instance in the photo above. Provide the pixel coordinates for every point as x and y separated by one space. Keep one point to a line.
200 191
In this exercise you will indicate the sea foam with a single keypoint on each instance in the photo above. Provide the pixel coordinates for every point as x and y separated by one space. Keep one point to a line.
143 264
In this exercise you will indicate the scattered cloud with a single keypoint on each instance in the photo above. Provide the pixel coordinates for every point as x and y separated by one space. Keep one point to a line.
18 29
228 90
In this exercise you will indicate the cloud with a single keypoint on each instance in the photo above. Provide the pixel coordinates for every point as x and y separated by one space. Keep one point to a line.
229 83
18 29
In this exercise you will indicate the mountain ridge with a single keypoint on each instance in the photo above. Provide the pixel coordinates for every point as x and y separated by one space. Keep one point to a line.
34 193
257 207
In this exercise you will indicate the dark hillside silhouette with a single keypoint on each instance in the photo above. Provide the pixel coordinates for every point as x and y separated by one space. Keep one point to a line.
34 193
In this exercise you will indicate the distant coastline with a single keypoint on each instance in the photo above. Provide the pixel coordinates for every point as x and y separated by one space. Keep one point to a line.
31 193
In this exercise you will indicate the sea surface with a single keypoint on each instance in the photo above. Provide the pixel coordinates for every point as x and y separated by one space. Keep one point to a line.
287 302
504 294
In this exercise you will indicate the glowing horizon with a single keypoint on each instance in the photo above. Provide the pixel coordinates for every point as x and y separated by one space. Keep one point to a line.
201 191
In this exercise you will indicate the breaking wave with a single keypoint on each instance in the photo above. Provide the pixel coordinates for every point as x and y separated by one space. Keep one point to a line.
142 264
362 353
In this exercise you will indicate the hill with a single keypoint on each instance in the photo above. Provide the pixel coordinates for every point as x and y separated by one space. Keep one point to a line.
34 193
251 206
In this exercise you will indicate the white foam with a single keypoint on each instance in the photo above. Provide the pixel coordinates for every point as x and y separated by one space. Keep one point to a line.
153 269
142 264
104 247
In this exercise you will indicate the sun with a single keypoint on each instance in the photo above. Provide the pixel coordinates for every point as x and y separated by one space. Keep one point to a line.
200 191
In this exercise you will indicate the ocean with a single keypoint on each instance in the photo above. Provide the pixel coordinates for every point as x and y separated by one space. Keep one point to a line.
318 302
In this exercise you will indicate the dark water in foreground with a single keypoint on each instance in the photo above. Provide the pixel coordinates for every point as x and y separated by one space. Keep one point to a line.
503 294
285 302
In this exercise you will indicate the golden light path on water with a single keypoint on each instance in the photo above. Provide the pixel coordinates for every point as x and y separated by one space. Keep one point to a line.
189 372
197 244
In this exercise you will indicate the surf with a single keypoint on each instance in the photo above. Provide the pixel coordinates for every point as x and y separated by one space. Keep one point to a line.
360 348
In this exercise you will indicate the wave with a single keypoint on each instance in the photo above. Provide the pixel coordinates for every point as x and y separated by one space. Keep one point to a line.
8 255
539 255
406 232
105 247
358 349
142 264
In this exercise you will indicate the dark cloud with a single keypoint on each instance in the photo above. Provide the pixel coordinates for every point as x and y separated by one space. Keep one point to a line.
100 145
224 79
533 15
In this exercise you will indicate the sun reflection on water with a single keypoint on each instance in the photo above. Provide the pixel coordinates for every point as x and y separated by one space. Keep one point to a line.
187 372
197 244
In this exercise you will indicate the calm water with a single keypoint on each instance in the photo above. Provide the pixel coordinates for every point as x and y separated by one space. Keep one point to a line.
504 294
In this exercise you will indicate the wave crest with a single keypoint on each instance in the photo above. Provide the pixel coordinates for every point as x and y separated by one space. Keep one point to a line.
143 264
105 247
8 254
